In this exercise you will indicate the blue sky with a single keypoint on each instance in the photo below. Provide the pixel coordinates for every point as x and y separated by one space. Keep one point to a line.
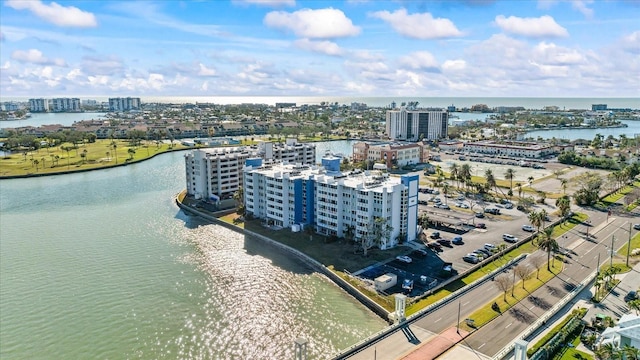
450 48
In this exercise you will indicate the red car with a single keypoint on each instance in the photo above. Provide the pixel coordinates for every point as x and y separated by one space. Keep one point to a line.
481 226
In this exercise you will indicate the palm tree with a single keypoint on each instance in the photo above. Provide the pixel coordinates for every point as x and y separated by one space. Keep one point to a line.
115 151
131 152
519 186
454 172
530 180
631 352
543 216
465 173
535 220
564 205
634 305
547 243
491 180
563 183
446 189
509 175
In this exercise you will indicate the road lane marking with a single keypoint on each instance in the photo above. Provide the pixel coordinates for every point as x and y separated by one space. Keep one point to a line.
466 303
480 347
508 325
531 308
438 320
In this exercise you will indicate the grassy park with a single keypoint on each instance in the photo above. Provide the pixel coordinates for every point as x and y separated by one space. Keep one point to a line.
70 157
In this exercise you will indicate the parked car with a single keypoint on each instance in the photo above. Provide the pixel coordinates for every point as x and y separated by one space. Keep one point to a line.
490 247
493 211
404 259
528 228
443 206
481 225
509 238
435 234
479 215
444 242
463 206
471 258
486 252
419 253
480 254
457 240
434 246
636 226
631 295
508 206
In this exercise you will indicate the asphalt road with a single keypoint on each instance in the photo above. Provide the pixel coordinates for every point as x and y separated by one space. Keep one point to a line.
490 339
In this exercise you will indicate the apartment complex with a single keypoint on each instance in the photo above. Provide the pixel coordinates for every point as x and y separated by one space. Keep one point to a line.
532 150
369 206
416 124
124 104
391 154
216 173
38 105
65 105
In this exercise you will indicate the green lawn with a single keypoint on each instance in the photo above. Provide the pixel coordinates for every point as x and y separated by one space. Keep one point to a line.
99 154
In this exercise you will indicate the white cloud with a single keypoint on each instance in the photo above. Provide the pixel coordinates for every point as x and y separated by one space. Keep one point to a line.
631 42
102 65
35 56
73 74
314 24
419 60
269 3
419 26
6 66
544 26
578 5
65 16
205 71
551 54
454 65
323 47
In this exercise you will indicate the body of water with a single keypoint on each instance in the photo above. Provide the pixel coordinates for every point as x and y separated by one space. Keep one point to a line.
104 265
39 119
632 129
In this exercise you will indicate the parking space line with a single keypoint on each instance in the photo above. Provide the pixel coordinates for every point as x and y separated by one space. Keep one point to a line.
506 327
480 347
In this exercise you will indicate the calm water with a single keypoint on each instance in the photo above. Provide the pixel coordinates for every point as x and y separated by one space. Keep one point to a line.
103 265
39 119
632 130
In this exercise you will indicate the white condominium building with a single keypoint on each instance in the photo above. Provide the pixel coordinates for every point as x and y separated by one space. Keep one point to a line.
413 125
65 104
38 105
124 104
368 206
216 173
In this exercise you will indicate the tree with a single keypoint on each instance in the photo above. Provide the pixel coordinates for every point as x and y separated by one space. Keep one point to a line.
630 352
536 220
36 162
131 152
563 184
589 188
542 195
84 155
523 272
530 180
454 173
519 186
503 282
564 206
510 174
537 261
547 243
634 305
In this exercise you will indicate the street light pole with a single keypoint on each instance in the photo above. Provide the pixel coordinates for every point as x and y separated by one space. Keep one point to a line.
588 225
612 251
629 245
458 324
598 267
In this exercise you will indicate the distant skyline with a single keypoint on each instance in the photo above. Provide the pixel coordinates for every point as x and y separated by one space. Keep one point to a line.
357 48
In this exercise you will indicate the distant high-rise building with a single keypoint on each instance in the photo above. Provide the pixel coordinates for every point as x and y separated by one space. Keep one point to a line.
38 105
65 105
413 125
124 104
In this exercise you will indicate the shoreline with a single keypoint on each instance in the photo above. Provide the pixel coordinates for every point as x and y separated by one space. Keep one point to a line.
67 172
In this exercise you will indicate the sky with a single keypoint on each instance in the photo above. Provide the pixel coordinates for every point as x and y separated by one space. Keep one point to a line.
473 48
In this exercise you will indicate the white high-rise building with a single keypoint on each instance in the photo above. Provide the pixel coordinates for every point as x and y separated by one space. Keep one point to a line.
38 105
65 105
370 206
413 125
124 104
216 173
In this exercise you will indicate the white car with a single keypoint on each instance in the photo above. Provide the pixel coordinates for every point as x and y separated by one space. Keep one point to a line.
463 206
404 259
528 228
636 226
490 247
509 238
